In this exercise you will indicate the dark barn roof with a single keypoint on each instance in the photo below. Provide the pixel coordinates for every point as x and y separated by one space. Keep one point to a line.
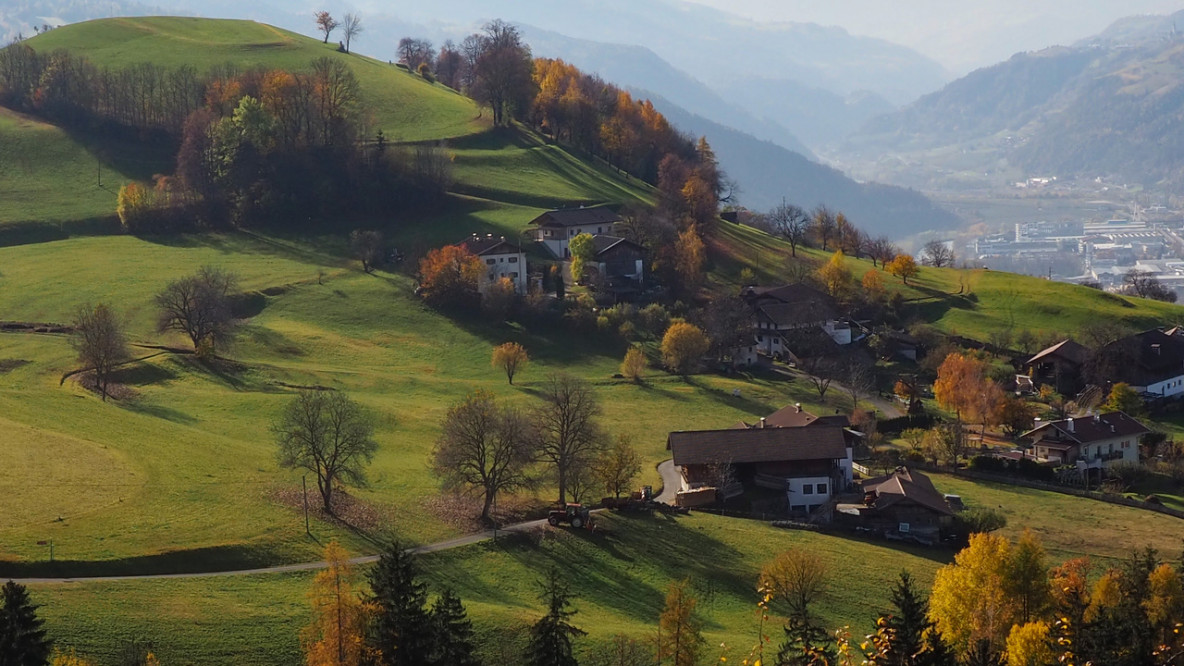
1066 350
905 484
703 447
489 244
577 217
602 243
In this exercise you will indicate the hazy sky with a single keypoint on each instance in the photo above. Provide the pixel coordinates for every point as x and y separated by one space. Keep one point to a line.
960 34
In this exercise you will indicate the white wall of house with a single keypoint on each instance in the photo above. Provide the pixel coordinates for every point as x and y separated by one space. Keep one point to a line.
1128 446
509 265
846 465
809 491
1170 387
838 331
556 239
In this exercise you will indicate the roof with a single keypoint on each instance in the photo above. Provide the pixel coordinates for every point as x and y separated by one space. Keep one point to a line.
702 447
1091 428
576 217
602 243
905 484
1065 349
790 304
795 314
489 244
1148 357
793 416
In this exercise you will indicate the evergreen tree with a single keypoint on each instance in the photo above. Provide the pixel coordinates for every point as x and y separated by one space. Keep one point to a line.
22 640
805 644
452 633
551 636
909 623
935 651
982 654
402 630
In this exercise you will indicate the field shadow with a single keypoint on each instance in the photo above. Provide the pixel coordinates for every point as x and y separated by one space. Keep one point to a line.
160 412
142 374
195 560
742 403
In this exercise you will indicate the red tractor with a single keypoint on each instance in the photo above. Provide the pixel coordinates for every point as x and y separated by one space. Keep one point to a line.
575 514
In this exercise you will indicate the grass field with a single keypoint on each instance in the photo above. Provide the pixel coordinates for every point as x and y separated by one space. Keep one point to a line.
619 577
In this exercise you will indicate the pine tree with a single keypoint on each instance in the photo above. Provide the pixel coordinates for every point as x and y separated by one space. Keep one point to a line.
452 633
402 630
805 644
551 636
935 651
22 640
909 623
681 637
982 654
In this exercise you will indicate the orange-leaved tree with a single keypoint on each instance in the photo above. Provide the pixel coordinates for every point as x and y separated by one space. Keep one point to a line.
336 635
903 267
449 274
510 357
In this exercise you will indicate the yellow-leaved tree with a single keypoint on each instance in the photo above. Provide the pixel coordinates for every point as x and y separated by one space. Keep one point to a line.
903 267
1029 644
835 277
633 367
966 618
336 635
510 357
681 639
682 346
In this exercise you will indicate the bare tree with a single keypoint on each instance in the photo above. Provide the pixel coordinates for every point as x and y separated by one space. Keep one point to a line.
858 381
414 52
566 426
937 254
100 341
484 448
504 72
617 466
818 370
823 225
368 246
329 435
791 223
325 23
881 250
199 306
796 578
1145 285
351 25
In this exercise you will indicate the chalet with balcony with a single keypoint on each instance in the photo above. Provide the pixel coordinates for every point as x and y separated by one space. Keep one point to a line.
903 505
554 229
778 311
1088 442
1059 366
501 259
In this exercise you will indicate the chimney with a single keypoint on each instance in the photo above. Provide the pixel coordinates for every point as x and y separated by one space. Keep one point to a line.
797 407
1069 424
762 422
1155 348
1112 427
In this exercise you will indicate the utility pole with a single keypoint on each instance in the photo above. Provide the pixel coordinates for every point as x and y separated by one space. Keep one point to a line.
304 485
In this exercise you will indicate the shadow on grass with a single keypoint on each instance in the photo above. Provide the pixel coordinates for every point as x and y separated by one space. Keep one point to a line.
161 412
196 560
744 404
31 232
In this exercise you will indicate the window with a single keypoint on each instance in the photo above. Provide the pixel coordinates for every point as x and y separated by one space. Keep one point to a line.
822 489
514 275
502 260
513 260
491 261
798 508
808 489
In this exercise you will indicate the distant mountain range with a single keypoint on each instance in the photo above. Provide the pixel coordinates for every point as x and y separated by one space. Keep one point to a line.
1111 106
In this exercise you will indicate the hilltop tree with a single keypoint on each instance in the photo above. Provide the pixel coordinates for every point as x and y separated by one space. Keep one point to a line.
881 249
822 224
199 306
368 246
503 72
552 635
569 435
329 435
510 357
402 631
351 25
903 267
326 24
791 223
680 637
99 339
617 466
683 346
485 448
415 52
938 254
334 637
22 640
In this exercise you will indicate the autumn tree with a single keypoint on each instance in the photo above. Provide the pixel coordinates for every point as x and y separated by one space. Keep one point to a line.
1164 604
99 339
484 448
510 357
938 254
22 638
633 367
583 253
690 255
1014 415
903 267
964 388
335 637
567 426
988 614
69 659
617 466
683 345
835 277
368 246
326 24
1030 644
329 435
402 630
873 288
791 223
1026 577
822 226
680 637
796 579
499 298
200 307
552 635
449 275
1123 398
351 26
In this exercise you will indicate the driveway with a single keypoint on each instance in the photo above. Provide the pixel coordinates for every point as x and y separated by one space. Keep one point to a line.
671 482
